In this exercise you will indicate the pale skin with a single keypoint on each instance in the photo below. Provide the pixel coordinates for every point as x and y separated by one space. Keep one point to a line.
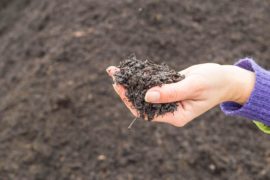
204 87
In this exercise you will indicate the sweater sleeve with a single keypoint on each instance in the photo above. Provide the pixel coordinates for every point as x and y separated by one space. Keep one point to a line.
258 106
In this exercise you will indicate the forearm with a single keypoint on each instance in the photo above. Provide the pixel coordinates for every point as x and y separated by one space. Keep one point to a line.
253 101
241 84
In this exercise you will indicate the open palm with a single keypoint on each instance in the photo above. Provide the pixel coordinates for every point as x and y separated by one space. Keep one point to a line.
205 86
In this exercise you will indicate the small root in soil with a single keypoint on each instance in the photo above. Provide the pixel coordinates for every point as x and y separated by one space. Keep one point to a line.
133 121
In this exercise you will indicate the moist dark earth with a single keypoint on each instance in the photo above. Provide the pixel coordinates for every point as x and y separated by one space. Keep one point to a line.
138 76
60 118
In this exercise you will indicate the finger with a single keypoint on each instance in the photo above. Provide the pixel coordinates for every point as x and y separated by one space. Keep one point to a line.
120 90
189 69
173 92
184 114
111 70
185 71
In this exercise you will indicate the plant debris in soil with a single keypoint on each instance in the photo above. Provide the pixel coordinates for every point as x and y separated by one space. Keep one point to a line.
138 76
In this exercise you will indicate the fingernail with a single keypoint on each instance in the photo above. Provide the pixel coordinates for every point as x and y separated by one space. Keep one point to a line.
108 70
152 96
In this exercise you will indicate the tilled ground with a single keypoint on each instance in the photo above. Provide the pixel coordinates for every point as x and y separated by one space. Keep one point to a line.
60 118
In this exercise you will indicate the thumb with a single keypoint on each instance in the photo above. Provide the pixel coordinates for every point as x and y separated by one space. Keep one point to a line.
174 92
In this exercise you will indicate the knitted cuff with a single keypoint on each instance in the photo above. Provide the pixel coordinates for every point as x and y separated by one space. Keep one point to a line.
258 105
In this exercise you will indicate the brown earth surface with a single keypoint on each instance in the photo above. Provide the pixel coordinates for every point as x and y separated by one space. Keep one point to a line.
60 118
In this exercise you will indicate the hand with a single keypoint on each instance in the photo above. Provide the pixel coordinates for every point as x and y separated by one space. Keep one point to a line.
205 86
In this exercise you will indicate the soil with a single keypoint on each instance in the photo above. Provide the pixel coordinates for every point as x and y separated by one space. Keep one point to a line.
60 118
138 76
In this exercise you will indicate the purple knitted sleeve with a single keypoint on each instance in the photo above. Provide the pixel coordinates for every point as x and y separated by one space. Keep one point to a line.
258 105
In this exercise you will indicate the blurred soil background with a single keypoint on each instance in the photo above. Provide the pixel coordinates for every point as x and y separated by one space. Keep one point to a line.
60 118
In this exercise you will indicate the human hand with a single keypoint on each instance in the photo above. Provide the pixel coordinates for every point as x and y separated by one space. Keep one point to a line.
205 86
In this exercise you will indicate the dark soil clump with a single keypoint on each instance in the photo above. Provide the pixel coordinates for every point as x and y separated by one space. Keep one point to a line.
138 76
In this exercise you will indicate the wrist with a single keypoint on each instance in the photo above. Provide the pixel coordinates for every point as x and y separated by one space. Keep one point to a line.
241 83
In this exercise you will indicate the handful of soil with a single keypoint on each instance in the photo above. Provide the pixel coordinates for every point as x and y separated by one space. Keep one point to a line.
137 76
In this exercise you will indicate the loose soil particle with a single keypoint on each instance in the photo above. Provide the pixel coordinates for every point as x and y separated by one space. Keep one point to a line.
138 76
